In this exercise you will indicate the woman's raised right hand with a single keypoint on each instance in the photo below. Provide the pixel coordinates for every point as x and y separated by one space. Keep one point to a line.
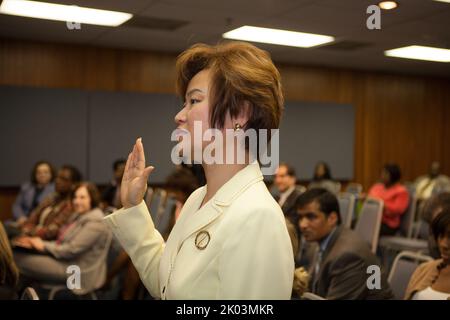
134 181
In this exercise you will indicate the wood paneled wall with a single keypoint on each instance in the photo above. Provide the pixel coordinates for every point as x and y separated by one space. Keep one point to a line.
399 118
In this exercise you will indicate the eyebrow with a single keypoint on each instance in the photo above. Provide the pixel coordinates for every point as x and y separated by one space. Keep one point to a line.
192 91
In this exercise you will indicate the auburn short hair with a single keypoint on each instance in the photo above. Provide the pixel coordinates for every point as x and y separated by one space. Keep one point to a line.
241 74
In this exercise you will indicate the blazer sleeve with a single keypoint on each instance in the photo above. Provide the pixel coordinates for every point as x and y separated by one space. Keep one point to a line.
84 240
348 279
134 229
261 250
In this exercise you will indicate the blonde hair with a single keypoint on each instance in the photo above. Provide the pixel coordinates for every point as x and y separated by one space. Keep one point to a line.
242 74
9 274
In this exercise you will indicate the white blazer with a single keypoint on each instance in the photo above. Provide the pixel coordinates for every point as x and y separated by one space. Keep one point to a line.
235 247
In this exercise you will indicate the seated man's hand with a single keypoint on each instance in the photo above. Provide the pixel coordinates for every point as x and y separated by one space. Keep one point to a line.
301 279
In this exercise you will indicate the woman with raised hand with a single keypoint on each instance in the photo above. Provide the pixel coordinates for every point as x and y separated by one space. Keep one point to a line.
231 240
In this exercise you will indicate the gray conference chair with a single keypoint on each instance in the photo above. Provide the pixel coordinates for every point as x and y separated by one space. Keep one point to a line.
404 266
29 294
404 240
369 222
155 203
346 207
164 217
311 296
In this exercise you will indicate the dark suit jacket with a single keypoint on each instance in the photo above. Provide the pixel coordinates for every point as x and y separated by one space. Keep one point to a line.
343 270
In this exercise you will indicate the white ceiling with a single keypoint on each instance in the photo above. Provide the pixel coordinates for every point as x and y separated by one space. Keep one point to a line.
420 22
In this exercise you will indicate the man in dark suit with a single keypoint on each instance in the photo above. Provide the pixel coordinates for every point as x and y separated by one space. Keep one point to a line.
339 269
285 181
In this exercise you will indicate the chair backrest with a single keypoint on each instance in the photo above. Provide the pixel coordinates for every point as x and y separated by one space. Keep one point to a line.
164 217
369 222
156 203
402 269
346 207
29 294
311 296
354 188
407 222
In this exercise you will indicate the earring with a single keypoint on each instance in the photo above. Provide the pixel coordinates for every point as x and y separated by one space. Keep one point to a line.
237 127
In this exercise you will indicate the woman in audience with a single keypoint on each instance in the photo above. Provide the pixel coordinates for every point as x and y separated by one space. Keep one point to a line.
431 280
395 197
80 242
33 192
8 269
322 178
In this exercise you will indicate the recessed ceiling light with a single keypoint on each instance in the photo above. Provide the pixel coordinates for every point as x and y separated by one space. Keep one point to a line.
388 5
420 53
446 1
60 12
276 36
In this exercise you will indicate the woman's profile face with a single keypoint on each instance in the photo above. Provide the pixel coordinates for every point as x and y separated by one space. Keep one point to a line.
81 201
195 110
43 174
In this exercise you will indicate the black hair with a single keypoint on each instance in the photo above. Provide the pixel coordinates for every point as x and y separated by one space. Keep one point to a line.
394 172
290 170
182 180
433 204
75 174
118 162
441 222
327 201
327 173
36 165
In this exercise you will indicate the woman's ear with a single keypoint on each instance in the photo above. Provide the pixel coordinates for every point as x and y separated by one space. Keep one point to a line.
244 115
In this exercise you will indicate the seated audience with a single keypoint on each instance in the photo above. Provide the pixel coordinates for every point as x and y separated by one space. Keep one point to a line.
285 182
9 273
322 179
432 207
53 212
80 242
111 195
339 267
431 280
432 183
33 192
395 197
428 185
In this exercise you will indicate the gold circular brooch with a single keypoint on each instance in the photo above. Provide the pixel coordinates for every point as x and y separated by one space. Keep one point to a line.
202 239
